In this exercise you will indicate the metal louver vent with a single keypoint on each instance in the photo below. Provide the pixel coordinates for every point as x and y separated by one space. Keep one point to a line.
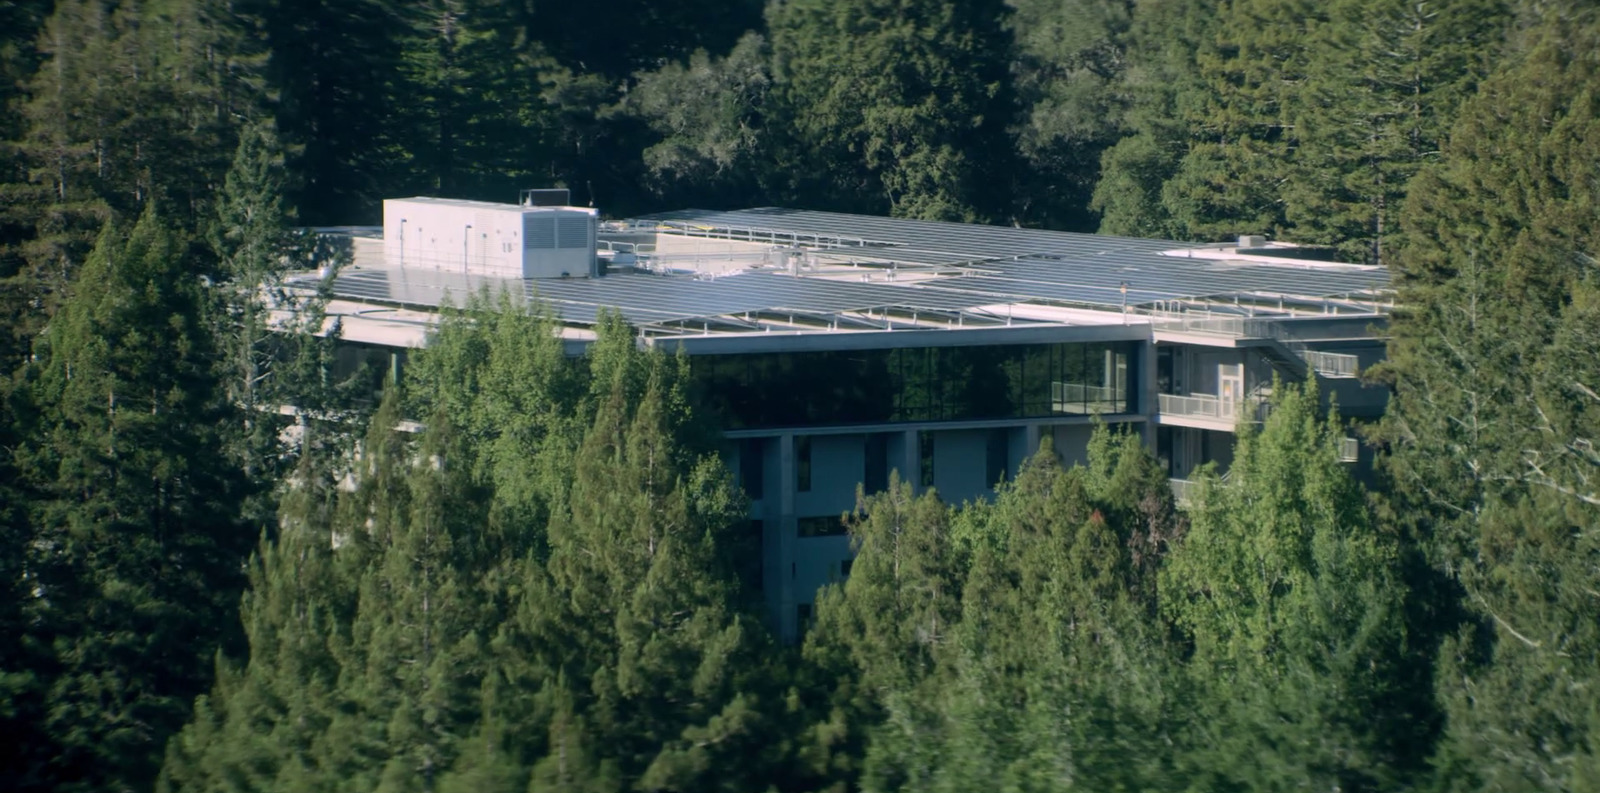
574 231
539 233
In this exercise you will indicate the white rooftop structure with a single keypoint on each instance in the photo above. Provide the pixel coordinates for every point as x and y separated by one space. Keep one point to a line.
483 239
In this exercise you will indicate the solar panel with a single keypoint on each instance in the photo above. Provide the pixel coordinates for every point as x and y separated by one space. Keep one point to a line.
1017 265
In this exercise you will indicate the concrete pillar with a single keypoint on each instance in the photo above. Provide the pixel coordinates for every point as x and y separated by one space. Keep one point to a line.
1149 402
784 527
1032 434
911 459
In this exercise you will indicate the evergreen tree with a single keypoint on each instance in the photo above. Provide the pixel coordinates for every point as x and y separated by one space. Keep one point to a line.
1494 408
331 64
1059 651
1069 66
136 550
261 726
1384 86
410 666
709 113
903 104
875 644
1162 76
632 614
1252 69
1290 598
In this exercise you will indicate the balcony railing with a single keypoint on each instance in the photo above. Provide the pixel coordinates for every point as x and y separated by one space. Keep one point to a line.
1206 406
1086 399
1233 327
1184 491
1349 450
1331 364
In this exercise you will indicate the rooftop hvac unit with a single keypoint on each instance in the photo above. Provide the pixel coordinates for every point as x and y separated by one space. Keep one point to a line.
477 238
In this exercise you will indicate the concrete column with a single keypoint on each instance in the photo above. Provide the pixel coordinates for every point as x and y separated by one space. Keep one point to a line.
1149 402
911 460
784 526
1031 435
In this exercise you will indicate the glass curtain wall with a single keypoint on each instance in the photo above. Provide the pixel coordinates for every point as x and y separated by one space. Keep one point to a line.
795 389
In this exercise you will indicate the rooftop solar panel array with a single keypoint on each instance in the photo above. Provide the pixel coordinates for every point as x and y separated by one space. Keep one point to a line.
1051 265
655 298
1002 265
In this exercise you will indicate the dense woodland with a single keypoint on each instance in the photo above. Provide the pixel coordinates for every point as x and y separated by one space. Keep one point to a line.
548 587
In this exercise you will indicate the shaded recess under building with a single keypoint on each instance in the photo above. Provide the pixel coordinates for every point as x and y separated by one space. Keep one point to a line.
835 348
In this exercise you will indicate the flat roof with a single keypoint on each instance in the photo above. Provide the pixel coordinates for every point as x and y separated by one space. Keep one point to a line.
825 271
465 203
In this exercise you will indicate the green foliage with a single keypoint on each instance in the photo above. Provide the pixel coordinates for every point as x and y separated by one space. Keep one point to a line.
135 549
536 590
900 104
709 114
1290 599
1494 410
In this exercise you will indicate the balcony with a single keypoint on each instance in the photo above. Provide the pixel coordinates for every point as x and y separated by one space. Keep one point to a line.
1209 412
1081 399
1184 491
1331 364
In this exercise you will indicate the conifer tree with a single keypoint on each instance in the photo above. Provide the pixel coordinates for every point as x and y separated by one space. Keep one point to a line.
410 666
632 615
1493 415
1383 86
902 103
137 549
1161 79
875 644
261 726
1291 601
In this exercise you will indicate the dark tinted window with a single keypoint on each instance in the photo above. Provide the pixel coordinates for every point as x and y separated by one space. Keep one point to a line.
915 384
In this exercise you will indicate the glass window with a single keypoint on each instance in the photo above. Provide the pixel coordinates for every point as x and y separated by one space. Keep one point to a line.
752 470
914 384
875 473
821 526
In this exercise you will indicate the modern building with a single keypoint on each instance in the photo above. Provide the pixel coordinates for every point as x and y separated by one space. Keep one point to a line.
837 348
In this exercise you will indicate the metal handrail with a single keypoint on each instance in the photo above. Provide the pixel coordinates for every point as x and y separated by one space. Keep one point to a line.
1212 406
1332 364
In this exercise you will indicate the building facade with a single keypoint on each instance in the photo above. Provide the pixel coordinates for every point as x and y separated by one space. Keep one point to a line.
837 349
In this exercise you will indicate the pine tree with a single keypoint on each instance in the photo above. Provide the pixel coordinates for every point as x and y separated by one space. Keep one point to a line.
261 725
632 613
1493 412
1382 89
873 650
1291 600
1252 69
1161 79
411 666
136 548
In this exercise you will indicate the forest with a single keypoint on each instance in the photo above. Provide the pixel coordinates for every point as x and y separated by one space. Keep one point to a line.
546 588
